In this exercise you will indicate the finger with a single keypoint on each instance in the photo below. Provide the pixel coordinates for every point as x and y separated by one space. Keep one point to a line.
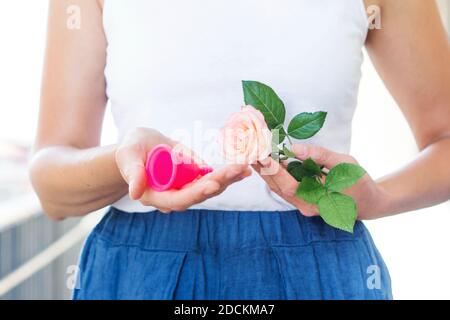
199 191
178 147
130 162
180 200
209 186
286 184
138 183
165 210
268 179
269 167
228 174
322 156
276 183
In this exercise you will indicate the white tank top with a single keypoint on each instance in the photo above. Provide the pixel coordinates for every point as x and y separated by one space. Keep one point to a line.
177 66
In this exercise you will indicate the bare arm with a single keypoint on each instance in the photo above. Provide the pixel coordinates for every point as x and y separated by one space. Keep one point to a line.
412 55
70 172
72 175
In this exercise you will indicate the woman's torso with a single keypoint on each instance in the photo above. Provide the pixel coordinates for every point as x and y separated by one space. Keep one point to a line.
177 66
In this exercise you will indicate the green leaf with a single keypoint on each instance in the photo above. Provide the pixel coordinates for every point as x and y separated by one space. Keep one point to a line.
295 169
338 210
311 190
305 125
288 153
298 171
343 176
263 98
308 168
312 167
278 134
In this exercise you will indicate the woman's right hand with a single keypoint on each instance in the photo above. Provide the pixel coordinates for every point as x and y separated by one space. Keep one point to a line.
131 155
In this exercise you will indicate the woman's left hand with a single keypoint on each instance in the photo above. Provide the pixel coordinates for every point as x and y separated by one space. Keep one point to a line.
370 198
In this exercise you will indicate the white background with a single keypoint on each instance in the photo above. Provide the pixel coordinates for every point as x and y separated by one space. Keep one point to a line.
415 246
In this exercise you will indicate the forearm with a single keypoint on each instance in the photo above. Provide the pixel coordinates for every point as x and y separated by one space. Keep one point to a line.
423 183
74 182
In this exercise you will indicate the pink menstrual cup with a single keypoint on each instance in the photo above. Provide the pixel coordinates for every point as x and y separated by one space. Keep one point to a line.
167 169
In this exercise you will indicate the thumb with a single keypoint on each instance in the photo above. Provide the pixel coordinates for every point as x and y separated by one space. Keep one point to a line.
137 181
320 155
131 165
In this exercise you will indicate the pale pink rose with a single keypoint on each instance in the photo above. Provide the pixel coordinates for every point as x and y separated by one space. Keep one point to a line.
245 138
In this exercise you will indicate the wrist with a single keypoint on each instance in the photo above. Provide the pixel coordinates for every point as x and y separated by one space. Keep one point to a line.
387 202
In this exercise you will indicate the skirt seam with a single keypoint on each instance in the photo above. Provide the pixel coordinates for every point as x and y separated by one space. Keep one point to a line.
216 250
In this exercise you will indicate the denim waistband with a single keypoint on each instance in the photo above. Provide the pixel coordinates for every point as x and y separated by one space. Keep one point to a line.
212 230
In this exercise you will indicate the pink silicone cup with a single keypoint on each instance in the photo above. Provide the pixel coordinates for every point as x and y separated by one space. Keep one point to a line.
171 170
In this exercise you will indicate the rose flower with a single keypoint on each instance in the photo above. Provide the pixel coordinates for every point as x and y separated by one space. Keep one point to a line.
245 138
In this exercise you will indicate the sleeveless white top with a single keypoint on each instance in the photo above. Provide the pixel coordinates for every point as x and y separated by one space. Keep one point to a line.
177 66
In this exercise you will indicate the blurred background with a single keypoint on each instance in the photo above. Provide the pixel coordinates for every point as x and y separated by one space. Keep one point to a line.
37 256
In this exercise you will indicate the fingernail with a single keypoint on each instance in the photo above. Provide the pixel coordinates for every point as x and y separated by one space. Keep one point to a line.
247 174
300 150
131 193
265 162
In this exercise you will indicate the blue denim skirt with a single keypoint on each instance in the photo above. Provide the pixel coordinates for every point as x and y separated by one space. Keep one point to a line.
202 254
